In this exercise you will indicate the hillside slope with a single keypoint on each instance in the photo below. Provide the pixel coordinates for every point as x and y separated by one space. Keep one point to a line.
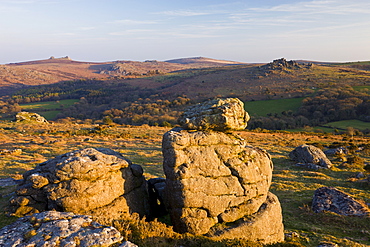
53 70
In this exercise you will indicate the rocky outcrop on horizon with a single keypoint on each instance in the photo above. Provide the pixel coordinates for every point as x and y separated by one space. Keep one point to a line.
282 63
216 184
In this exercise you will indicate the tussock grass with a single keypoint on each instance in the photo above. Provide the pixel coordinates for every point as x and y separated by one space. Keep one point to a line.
142 145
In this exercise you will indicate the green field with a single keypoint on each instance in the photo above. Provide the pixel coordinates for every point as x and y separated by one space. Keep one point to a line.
48 105
264 107
48 109
357 124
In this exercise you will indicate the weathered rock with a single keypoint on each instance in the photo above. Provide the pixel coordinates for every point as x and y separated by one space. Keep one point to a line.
6 182
214 177
53 228
88 181
328 244
16 151
308 154
127 244
217 114
29 117
264 226
334 200
336 151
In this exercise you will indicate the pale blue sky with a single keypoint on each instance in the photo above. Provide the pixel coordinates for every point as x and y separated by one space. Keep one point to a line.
246 31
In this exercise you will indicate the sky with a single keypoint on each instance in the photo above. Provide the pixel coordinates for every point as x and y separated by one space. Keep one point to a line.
139 30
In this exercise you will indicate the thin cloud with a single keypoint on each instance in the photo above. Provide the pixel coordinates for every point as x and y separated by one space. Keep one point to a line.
132 22
184 13
319 7
87 28
132 31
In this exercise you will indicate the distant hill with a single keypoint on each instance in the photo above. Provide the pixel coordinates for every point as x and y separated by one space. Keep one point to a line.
48 71
203 61
198 77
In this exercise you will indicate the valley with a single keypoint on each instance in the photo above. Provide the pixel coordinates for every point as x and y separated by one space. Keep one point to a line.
127 106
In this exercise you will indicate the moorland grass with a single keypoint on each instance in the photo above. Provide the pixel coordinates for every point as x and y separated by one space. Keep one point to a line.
276 106
293 185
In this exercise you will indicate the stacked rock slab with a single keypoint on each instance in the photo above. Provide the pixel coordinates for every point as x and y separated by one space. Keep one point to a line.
214 177
88 181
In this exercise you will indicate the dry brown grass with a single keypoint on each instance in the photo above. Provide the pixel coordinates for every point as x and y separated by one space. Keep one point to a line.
293 185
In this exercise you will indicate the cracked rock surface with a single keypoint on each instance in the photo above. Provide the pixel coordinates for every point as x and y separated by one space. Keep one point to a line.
88 181
51 228
216 114
217 178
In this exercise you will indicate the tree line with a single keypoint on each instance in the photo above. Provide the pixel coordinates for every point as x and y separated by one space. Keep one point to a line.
119 102
326 105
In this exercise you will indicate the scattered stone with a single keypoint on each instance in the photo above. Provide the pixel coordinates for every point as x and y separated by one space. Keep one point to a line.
336 151
53 228
127 244
217 114
88 181
336 201
360 175
310 166
30 117
291 236
7 182
16 151
328 244
308 154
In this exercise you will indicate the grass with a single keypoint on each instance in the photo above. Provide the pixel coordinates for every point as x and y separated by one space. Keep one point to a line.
264 107
362 88
142 145
48 105
343 125
48 109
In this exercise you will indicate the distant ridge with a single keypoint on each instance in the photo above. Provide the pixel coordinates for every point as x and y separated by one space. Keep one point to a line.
203 60
64 60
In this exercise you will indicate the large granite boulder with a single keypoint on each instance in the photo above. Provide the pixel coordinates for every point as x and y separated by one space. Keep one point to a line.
51 228
215 177
29 117
336 201
311 157
217 114
88 181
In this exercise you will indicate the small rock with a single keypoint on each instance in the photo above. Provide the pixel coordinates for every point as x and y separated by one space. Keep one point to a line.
310 154
327 244
127 244
336 201
6 182
16 151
